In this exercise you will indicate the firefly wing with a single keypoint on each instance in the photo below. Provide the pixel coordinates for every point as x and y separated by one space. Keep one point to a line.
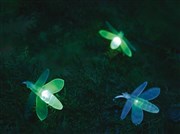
136 115
121 36
126 50
54 86
126 109
55 103
30 104
149 107
129 44
111 28
139 89
106 34
150 94
41 108
42 79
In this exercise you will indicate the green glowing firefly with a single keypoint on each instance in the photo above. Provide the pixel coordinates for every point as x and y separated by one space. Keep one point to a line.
118 41
44 94
139 102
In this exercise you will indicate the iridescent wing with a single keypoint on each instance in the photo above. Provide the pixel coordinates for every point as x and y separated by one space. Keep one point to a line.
54 86
106 34
42 79
41 109
136 115
126 109
150 94
139 89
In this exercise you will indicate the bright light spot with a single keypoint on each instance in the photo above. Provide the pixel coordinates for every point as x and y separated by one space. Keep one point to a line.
136 101
45 95
115 43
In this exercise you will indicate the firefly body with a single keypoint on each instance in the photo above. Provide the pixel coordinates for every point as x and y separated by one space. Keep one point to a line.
139 102
118 41
45 94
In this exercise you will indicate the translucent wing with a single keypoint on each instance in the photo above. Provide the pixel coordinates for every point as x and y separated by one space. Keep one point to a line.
106 34
126 109
30 104
150 94
41 109
54 86
136 115
139 89
149 107
121 35
126 50
42 79
129 44
111 28
55 103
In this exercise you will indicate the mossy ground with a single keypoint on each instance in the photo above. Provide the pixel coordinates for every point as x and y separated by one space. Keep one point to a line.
63 36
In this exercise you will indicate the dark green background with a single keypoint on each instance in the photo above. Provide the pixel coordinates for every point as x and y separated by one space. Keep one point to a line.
63 36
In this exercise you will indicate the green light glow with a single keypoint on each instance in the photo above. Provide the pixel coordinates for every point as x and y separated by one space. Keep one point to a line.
145 105
115 43
118 41
107 35
126 50
44 94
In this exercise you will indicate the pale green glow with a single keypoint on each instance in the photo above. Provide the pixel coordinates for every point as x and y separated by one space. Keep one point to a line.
45 94
50 99
118 41
136 102
41 108
126 50
107 35
115 43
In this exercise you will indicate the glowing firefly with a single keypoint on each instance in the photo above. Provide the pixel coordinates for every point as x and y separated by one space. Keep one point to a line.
118 41
139 102
44 94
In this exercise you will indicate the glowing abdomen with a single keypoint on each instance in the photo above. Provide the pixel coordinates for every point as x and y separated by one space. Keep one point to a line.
145 105
50 99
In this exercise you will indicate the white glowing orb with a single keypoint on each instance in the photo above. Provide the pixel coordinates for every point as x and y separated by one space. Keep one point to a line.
115 43
45 95
136 101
